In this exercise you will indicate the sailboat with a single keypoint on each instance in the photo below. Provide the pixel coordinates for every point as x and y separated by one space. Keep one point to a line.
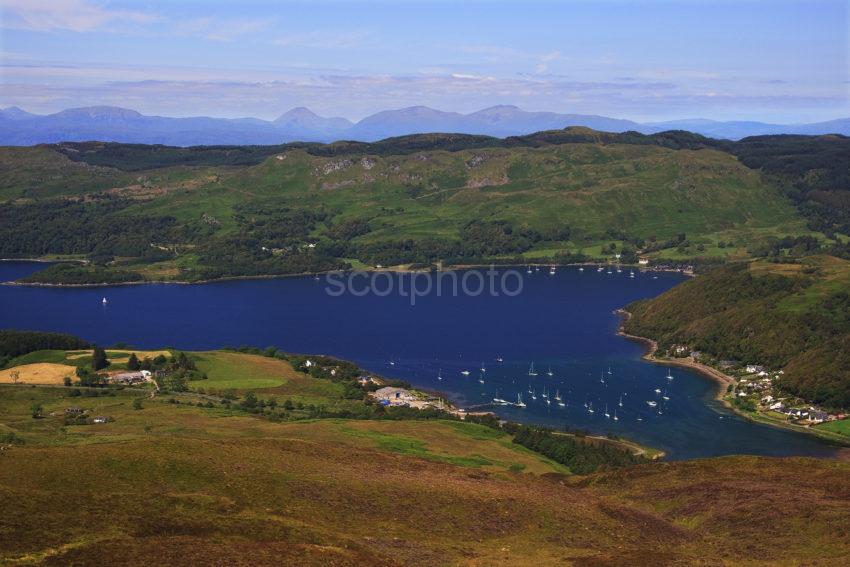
481 378
609 371
615 416
103 301
552 271
621 402
669 376
632 274
483 369
664 396
549 372
545 393
602 378
440 374
519 403
599 269
619 270
499 359
531 371
658 390
581 268
562 404
606 411
530 389
651 404
528 271
498 400
558 395
590 408
533 395
465 372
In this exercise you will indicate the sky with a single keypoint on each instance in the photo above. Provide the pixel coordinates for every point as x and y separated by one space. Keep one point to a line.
768 60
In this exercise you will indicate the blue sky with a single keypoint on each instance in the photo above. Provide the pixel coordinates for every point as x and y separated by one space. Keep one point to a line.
782 61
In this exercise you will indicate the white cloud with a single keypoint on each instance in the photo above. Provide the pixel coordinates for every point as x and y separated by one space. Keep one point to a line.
74 15
322 40
219 29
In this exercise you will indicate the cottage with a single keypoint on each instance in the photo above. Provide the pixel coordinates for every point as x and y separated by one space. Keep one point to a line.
643 261
818 416
130 377
753 368
778 406
101 419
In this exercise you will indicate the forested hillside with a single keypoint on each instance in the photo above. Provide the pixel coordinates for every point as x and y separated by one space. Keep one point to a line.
163 213
790 316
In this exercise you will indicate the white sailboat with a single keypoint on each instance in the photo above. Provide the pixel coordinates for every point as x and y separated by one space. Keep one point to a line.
533 395
658 390
545 393
549 372
103 301
664 396
465 372
519 403
609 371
498 400
530 389
440 374
599 269
581 268
499 359
606 411
483 369
669 376
621 402
481 378
651 404
558 395
632 274
531 371
615 416
552 271
590 408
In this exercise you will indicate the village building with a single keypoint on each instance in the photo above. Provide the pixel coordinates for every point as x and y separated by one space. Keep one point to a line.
394 396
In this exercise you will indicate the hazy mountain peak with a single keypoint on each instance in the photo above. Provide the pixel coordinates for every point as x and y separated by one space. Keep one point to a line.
15 113
99 112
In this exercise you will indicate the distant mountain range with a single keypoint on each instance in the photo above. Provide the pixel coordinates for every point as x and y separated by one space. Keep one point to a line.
107 123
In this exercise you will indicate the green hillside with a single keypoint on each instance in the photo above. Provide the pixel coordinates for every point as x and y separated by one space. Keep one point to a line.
150 212
790 316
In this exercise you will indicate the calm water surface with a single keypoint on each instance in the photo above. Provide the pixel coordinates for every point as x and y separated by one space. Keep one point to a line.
562 323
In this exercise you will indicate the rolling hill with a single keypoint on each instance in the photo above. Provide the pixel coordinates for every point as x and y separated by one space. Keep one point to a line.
217 211
194 477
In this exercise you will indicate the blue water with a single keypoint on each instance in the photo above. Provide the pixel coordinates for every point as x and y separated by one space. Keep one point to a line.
563 321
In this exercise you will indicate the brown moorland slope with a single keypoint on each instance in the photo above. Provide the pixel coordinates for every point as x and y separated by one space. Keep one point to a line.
178 484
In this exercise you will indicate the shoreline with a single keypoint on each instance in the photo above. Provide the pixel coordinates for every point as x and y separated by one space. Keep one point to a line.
723 381
391 269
